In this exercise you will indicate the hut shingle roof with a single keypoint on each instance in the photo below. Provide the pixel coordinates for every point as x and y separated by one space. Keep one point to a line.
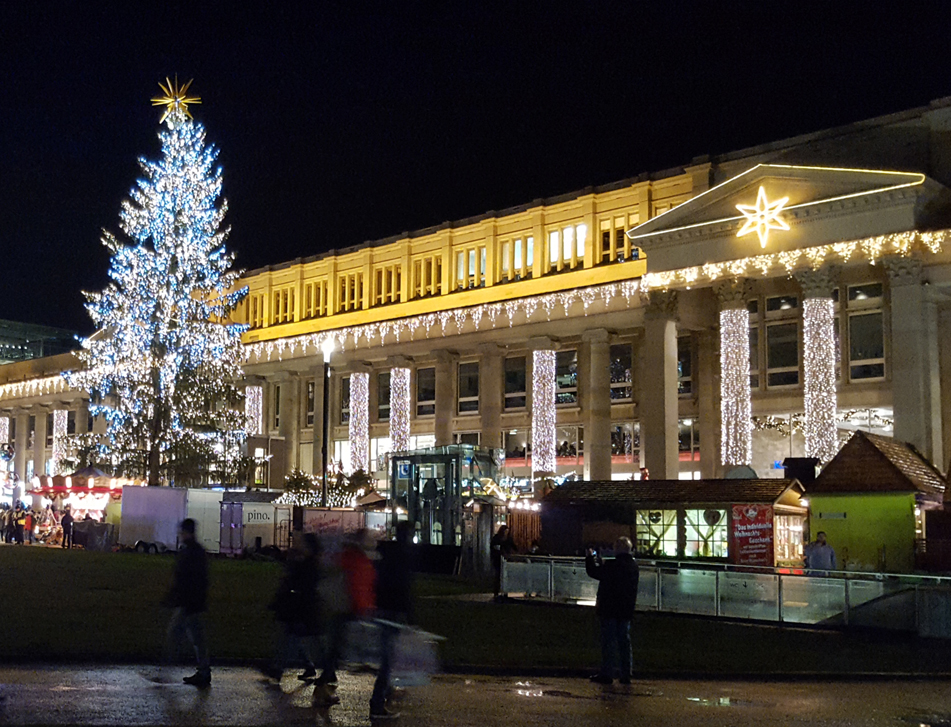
872 463
657 492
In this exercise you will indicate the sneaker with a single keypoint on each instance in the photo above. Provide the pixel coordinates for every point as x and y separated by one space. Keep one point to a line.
600 679
325 697
382 713
308 674
200 679
272 672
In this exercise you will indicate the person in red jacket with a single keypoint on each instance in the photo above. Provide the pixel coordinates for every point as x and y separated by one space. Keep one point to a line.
359 576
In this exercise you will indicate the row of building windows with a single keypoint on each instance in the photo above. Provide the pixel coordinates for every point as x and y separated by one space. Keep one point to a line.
31 428
515 260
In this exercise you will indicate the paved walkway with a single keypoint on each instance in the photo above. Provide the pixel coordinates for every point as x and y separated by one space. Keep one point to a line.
239 696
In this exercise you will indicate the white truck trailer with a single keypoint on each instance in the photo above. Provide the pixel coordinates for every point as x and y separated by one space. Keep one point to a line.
151 516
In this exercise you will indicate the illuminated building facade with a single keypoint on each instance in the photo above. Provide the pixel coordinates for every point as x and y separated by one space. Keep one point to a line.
737 311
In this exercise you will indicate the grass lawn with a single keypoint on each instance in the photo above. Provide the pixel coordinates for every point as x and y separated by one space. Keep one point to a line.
77 605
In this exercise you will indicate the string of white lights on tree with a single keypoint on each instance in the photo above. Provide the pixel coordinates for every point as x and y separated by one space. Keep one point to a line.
359 421
819 359
543 413
60 427
254 409
399 409
736 439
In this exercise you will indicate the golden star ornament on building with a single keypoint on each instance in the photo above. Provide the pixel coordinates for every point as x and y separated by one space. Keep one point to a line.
762 217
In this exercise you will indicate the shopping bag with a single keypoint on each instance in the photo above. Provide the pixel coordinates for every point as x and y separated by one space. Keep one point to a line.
361 643
415 657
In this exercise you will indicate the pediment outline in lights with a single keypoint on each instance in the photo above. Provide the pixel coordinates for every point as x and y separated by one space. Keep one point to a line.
777 186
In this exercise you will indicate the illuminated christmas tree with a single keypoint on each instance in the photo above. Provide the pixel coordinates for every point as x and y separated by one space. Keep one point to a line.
163 365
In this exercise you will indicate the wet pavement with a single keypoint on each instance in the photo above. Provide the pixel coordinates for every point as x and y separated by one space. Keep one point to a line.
130 695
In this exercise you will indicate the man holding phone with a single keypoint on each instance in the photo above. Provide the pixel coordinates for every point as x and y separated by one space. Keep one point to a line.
617 597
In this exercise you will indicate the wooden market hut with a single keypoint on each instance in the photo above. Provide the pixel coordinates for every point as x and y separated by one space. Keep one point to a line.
751 521
872 500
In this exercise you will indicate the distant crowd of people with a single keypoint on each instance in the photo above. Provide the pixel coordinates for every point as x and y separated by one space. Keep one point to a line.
321 597
24 525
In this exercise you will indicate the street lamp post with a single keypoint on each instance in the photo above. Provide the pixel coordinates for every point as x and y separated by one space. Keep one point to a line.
327 348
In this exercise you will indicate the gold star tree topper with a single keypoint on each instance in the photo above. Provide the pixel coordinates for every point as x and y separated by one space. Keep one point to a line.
762 217
176 99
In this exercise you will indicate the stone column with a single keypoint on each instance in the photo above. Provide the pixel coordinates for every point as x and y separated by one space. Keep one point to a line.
708 404
445 396
543 406
401 402
915 384
39 442
736 444
290 419
491 394
21 443
819 358
359 425
596 406
82 417
659 389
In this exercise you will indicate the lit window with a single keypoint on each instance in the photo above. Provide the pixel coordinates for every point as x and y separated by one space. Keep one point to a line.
620 369
425 392
345 401
468 388
684 366
707 535
383 396
566 377
866 332
310 403
515 382
656 532
782 354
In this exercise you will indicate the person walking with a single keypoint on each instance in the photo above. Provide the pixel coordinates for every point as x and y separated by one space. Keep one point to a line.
819 555
67 523
295 606
19 521
357 581
501 546
394 601
616 600
189 599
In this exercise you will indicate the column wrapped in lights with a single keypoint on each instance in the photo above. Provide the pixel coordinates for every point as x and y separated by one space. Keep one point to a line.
736 444
818 338
254 409
399 409
4 430
60 427
543 413
359 422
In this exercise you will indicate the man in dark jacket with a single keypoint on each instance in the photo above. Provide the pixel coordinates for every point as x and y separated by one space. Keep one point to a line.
617 597
67 523
394 602
189 597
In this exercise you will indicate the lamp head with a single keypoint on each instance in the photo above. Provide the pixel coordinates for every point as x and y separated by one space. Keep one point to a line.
327 347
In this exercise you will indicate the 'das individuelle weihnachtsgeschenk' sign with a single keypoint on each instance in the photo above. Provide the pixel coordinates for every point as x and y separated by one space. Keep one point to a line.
751 535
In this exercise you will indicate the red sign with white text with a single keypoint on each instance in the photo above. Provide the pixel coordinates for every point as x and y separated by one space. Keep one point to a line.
751 535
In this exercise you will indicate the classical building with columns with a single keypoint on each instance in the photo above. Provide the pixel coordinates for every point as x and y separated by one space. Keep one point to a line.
734 312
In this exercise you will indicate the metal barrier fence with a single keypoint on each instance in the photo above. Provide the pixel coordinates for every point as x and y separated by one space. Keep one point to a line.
837 598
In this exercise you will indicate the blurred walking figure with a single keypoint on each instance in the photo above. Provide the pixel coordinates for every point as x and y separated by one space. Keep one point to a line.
67 523
189 597
394 602
19 522
295 606
501 546
350 595
819 555
617 597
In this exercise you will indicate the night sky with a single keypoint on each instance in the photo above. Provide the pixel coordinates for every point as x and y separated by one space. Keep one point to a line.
340 122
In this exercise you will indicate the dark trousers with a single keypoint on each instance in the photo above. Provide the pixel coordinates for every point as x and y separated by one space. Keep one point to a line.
67 538
333 650
616 648
388 636
19 535
192 626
